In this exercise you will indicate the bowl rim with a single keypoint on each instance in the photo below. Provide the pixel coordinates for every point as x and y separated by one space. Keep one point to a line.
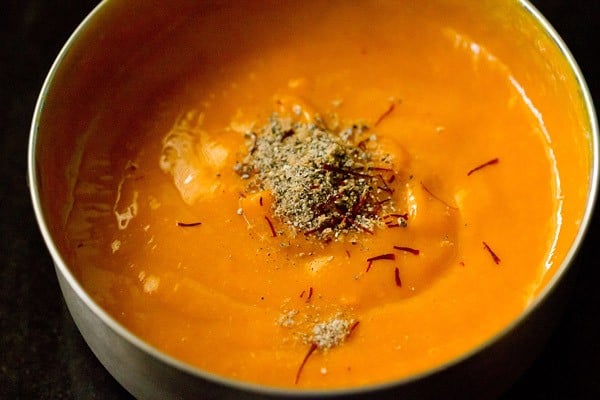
61 265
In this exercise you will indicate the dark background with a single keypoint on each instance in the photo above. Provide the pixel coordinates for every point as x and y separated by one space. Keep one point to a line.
42 355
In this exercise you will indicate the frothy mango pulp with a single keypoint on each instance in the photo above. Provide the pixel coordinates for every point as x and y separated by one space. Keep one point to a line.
230 294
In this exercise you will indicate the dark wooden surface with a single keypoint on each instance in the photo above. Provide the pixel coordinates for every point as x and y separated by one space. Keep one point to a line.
42 355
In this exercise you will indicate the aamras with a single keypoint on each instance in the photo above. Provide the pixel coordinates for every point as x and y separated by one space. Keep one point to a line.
340 209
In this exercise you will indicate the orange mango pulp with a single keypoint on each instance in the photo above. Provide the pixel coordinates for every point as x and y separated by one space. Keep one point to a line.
211 295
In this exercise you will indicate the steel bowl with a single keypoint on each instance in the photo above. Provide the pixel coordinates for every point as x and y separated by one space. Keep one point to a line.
96 52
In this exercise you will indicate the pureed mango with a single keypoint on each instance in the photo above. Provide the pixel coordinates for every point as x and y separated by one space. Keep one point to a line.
331 195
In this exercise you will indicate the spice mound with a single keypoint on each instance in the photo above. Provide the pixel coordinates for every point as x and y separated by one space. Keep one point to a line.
324 182
326 335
